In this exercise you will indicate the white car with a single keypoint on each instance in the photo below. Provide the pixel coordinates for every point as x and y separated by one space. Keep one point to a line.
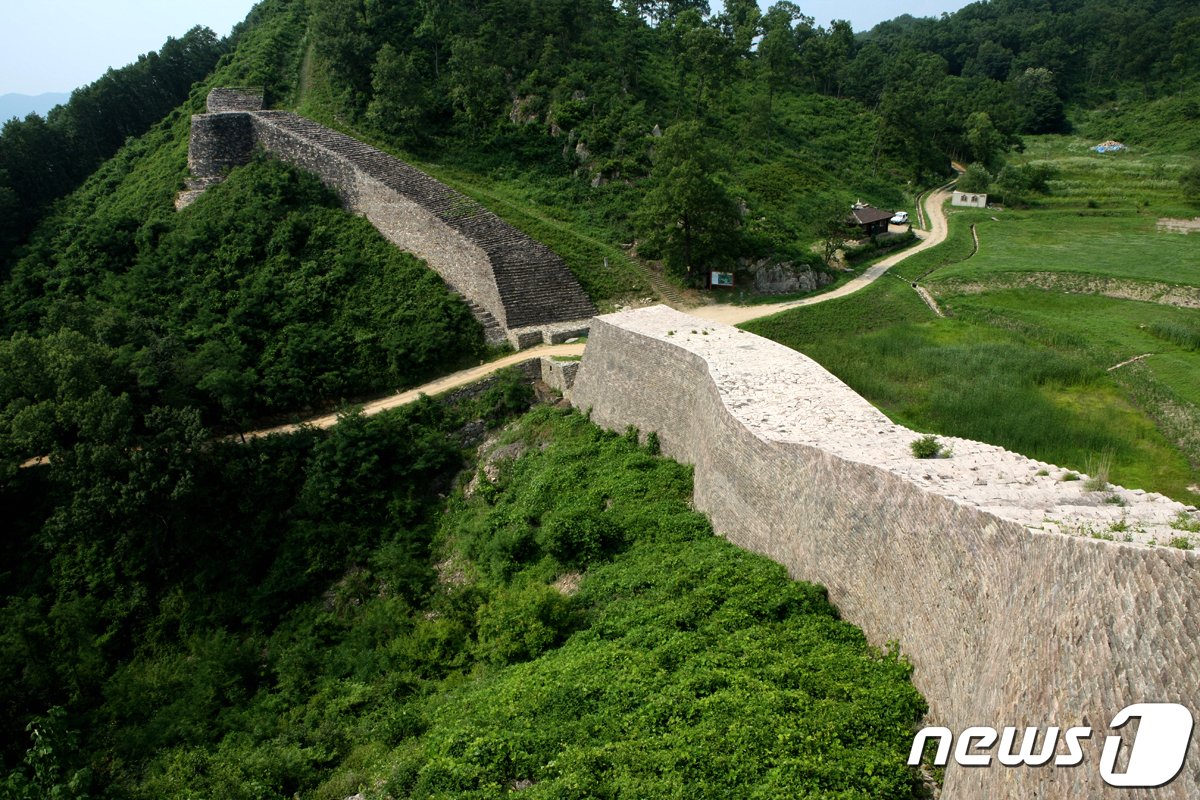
901 218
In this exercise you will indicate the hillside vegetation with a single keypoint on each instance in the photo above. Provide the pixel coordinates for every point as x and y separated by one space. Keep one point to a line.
43 159
311 615
262 299
367 609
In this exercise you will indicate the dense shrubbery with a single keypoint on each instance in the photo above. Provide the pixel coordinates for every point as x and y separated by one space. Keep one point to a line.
976 179
277 625
263 297
1016 185
1189 182
148 576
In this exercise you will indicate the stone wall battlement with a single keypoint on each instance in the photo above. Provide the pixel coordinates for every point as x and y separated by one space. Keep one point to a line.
234 98
517 287
1008 620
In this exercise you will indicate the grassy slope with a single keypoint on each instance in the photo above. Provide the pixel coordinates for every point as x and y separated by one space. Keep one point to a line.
1027 368
560 212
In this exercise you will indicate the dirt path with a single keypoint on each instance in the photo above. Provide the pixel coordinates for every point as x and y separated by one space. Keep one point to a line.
735 315
454 381
727 314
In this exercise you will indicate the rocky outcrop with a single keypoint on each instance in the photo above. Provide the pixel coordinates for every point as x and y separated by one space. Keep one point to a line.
773 277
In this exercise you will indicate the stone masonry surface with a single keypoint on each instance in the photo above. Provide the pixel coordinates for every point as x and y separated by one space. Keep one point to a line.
233 98
981 569
518 288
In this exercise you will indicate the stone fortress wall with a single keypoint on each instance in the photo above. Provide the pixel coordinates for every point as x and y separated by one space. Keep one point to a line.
1006 623
978 565
518 288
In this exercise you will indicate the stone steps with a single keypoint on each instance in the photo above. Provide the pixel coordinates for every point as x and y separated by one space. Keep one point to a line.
493 331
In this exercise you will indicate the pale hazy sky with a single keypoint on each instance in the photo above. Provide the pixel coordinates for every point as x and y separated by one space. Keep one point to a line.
59 45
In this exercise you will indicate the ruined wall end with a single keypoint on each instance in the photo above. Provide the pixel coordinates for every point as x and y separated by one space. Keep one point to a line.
1004 626
218 143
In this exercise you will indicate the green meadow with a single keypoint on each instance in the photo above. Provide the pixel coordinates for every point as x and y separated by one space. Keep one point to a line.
1028 368
1111 244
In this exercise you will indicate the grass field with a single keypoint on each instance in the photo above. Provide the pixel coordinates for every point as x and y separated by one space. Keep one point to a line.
1114 329
1099 219
954 251
1113 244
1029 368
1017 381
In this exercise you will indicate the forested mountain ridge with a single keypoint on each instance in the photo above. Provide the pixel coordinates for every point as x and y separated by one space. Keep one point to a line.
539 91
310 615
42 159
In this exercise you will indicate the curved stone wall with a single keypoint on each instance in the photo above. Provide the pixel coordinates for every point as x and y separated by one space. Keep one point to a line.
517 287
1004 625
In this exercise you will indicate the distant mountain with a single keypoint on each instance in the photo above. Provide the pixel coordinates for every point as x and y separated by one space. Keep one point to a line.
21 105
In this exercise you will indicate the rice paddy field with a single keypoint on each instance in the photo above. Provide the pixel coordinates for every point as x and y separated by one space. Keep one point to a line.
1038 320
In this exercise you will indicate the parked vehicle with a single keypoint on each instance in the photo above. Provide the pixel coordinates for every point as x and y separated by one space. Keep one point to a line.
900 218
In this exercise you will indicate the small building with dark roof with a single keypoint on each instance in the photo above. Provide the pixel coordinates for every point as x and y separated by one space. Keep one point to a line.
870 220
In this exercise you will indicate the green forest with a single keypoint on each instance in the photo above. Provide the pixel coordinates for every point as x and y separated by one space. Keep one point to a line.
326 618
466 597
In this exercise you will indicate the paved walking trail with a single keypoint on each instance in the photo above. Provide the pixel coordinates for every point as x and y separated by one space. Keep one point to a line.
724 313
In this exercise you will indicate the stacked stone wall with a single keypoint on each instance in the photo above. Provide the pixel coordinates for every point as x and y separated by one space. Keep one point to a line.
229 98
218 143
1004 626
338 161
517 287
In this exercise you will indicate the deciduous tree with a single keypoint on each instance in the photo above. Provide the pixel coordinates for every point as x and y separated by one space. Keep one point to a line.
687 215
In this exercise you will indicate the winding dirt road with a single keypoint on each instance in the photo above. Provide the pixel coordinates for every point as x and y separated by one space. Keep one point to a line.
723 313
444 384
736 315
